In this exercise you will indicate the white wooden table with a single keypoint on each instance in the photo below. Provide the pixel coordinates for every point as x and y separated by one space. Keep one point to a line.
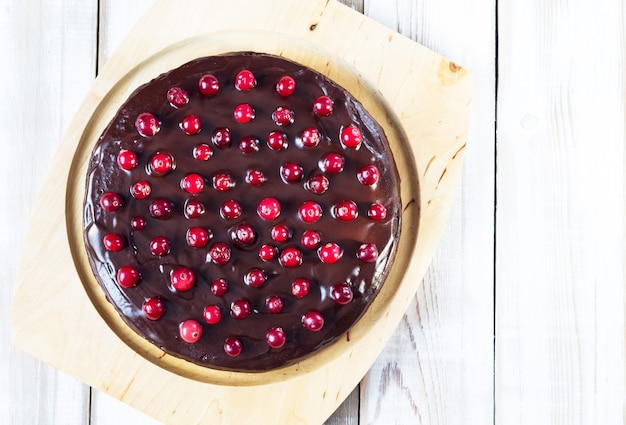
520 319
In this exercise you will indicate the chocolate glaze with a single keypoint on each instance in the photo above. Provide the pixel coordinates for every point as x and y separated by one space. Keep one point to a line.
105 175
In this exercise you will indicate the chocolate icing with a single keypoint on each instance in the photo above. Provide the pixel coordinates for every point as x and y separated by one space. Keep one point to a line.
105 175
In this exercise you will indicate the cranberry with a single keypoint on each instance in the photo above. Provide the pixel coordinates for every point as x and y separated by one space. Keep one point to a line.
219 253
202 152
161 208
323 106
160 246
249 144
377 212
113 242
161 163
230 210
221 138
177 97
267 252
223 182
219 287
233 346
183 278
300 287
277 141
367 252
313 321
194 209
245 80
190 331
153 308
244 234
291 172
310 137
330 253
255 277
280 233
285 86
198 237
310 239
351 137
138 223
141 189
255 177
212 314
317 184
190 125
345 211
243 113
192 183
310 212
268 209
208 85
128 276
110 201
240 309
274 304
341 293
332 163
147 124
127 160
283 116
368 175
276 337
290 258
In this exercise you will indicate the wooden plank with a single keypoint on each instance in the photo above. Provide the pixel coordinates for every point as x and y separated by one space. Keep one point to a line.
560 221
438 366
51 46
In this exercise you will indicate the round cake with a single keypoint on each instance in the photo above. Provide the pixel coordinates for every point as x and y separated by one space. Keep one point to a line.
241 211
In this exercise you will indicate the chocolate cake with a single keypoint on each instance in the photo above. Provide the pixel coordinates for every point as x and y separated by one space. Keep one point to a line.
241 211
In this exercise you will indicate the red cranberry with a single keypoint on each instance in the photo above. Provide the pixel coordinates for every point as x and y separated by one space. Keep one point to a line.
291 172
160 246
138 223
190 331
141 189
345 211
313 321
147 124
153 308
161 163
323 106
276 337
255 177
243 113
110 201
221 138
310 212
332 163
183 278
212 314
127 160
244 234
317 184
310 137
341 293
230 210
310 239
198 237
194 209
255 277
368 175
283 116
277 141
377 212
280 233
223 182
300 287
233 346
209 85
192 183
240 309
290 258
249 144
219 287
267 252
351 137
245 80
177 97
268 209
219 253
161 208
330 253
202 152
191 125
113 242
128 276
274 304
367 252
285 86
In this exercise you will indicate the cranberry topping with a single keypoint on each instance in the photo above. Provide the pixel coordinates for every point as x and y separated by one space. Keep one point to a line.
267 252
219 253
291 172
245 80
141 189
269 209
367 252
230 210
283 116
341 293
280 233
127 160
153 308
244 234
190 125
323 106
286 86
351 137
300 287
161 163
255 277
274 304
332 163
160 246
368 175
223 182
255 177
190 331
147 124
249 144
276 337
177 97
310 137
330 253
310 212
138 223
161 208
128 276
208 85
243 113
219 287
221 137
345 211
194 209
202 152
198 237
313 321
240 309
233 346
310 239
183 278
290 257
377 212
192 183
317 184
110 201
212 314
277 141
113 242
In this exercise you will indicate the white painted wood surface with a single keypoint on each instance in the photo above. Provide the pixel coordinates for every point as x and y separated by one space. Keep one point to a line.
559 227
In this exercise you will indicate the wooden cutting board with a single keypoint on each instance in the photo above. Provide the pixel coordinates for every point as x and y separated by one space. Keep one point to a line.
421 99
